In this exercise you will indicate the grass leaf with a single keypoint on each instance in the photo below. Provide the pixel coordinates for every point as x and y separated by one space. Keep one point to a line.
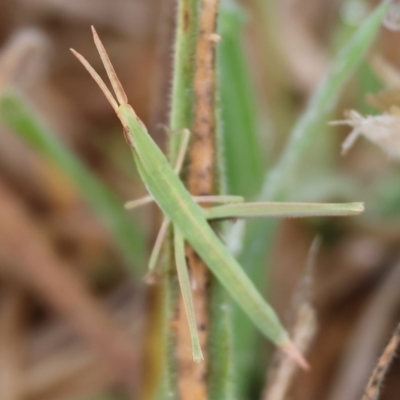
18 116
259 234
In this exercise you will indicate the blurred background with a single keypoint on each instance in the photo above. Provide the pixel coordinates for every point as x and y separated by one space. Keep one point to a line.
73 317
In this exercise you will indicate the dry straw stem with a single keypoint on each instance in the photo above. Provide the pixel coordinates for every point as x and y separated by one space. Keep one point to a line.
38 267
375 381
201 181
303 333
365 341
304 330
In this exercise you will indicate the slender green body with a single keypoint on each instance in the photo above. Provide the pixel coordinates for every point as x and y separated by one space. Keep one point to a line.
190 220
177 204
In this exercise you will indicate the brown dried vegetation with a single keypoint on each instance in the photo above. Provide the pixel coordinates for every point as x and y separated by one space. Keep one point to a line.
71 321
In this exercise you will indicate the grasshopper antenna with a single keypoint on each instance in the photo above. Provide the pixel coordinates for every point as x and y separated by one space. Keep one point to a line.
115 82
97 79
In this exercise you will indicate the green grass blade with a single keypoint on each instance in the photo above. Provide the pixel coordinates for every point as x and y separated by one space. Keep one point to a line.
283 210
239 119
186 289
182 84
238 106
259 233
16 114
321 104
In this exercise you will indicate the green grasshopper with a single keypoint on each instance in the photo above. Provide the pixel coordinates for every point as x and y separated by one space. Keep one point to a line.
189 220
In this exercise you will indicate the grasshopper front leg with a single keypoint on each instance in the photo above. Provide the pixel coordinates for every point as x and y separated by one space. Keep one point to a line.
155 253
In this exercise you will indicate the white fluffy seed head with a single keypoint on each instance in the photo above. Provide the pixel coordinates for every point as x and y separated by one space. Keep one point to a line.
383 130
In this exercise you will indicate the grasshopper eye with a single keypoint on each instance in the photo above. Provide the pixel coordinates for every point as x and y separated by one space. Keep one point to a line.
127 136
